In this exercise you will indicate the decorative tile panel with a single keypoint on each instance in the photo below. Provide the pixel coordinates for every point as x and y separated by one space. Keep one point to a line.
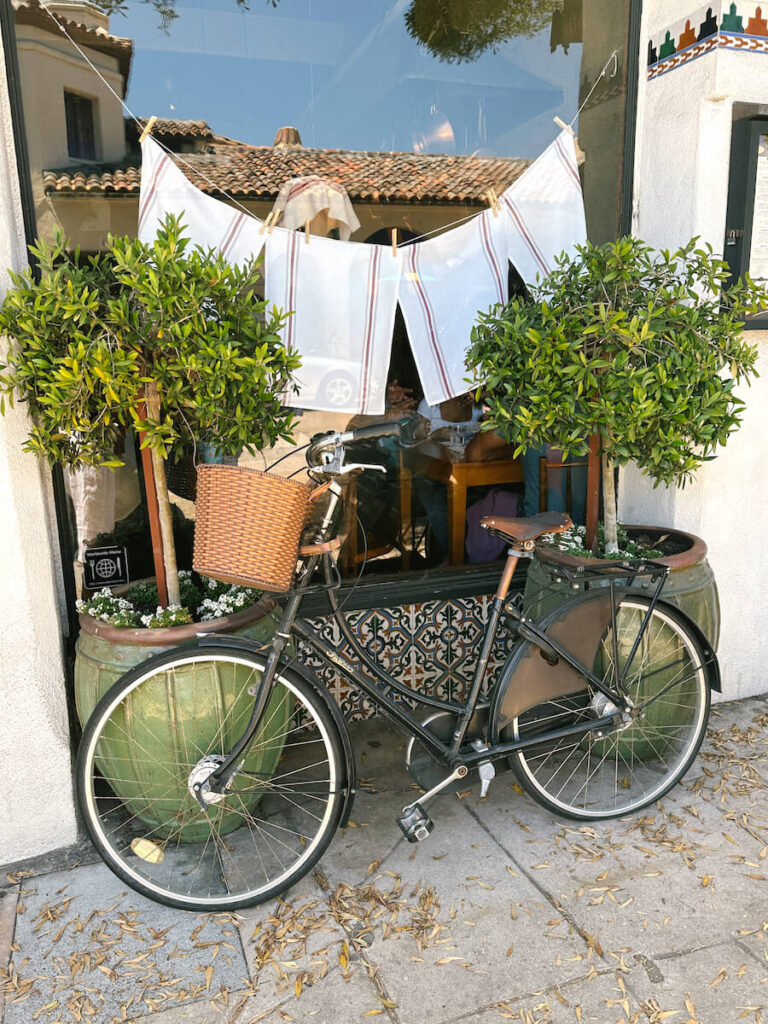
741 26
431 647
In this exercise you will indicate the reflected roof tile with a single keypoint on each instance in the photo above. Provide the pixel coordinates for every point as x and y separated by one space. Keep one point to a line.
257 172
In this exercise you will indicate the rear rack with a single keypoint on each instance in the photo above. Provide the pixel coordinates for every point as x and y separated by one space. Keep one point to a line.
583 575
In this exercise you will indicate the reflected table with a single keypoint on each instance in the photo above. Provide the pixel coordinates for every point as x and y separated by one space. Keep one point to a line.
440 462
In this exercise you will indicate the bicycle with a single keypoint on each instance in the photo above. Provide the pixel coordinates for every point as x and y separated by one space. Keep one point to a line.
599 710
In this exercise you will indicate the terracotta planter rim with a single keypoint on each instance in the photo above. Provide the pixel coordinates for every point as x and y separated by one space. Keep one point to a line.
694 554
169 635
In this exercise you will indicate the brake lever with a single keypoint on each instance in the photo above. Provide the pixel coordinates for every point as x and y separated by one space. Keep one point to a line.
351 466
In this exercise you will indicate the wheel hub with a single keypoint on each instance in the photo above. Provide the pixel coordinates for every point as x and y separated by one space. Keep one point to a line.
198 784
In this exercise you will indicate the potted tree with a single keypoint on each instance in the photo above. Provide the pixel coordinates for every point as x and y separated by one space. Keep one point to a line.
173 342
639 347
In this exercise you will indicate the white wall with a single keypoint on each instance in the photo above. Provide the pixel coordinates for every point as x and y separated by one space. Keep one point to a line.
36 806
681 187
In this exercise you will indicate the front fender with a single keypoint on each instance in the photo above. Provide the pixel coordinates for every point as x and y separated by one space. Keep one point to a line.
287 667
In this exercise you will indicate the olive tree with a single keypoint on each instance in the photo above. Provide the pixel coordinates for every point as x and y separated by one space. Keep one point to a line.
643 348
164 337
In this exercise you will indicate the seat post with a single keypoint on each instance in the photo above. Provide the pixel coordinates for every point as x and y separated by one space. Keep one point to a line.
506 577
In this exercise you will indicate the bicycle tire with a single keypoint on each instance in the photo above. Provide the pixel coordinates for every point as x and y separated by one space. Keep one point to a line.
150 730
592 777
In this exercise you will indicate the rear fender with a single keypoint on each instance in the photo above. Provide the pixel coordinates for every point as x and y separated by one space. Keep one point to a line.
537 680
715 681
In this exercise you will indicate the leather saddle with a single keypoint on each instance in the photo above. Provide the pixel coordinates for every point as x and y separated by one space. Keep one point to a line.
529 529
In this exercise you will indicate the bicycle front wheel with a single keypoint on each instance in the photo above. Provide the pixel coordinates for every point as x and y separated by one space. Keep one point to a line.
591 776
158 729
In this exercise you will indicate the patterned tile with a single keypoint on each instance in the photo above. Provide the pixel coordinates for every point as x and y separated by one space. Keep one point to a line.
741 26
432 647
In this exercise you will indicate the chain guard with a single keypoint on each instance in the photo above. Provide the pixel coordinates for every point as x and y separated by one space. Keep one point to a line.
424 769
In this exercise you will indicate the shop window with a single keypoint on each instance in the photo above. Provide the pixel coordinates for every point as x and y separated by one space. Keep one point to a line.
415 108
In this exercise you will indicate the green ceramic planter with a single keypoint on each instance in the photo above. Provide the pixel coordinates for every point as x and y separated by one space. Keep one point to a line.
143 746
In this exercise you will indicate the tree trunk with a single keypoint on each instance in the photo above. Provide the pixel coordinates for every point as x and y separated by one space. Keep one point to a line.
163 504
609 507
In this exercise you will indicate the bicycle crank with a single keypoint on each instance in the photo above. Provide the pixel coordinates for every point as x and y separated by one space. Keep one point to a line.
414 821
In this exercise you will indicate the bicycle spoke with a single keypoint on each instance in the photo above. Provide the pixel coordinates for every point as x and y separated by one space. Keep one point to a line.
269 824
611 773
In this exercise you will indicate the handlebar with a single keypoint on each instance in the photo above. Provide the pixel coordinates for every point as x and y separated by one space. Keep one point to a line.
326 452
389 428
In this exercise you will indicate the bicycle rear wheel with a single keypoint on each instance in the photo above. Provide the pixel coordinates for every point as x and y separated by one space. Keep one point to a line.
154 728
591 777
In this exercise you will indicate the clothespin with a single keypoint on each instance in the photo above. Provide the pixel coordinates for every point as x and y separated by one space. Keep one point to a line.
147 129
561 124
306 230
492 200
275 219
265 225
394 241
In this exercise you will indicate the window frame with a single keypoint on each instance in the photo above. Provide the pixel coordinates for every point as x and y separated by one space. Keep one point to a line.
77 100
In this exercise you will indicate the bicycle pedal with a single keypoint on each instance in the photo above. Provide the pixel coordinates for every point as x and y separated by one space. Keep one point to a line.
415 823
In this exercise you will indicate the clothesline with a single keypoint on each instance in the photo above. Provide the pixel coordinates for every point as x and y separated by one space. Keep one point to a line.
343 295
178 158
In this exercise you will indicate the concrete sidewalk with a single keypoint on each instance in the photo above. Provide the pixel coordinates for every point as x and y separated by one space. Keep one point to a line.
504 914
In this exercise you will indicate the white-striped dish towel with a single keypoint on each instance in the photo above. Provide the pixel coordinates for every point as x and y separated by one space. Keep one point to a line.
343 297
209 223
545 210
446 280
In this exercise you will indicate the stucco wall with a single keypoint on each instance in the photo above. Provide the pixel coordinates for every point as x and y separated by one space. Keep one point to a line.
681 188
48 67
36 807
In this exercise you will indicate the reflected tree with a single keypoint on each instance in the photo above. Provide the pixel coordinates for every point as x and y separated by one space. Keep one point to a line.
166 9
454 31
457 31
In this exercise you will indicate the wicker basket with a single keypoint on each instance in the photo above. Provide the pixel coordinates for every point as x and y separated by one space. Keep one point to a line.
248 525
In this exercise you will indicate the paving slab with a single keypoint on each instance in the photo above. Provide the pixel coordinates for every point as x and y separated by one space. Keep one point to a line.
342 997
755 940
289 943
8 898
715 984
90 946
226 1009
593 999
489 934
371 835
685 871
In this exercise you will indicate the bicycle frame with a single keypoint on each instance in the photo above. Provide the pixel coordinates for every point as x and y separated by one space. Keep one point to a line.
381 688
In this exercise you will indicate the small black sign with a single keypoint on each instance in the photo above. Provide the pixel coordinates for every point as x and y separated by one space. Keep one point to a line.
105 567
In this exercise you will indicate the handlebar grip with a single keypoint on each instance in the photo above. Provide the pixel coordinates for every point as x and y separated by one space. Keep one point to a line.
388 428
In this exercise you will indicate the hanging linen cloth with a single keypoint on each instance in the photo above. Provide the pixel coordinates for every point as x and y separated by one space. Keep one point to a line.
446 280
544 209
343 297
209 223
319 200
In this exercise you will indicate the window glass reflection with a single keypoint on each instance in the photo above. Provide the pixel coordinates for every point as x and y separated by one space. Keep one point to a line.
416 107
